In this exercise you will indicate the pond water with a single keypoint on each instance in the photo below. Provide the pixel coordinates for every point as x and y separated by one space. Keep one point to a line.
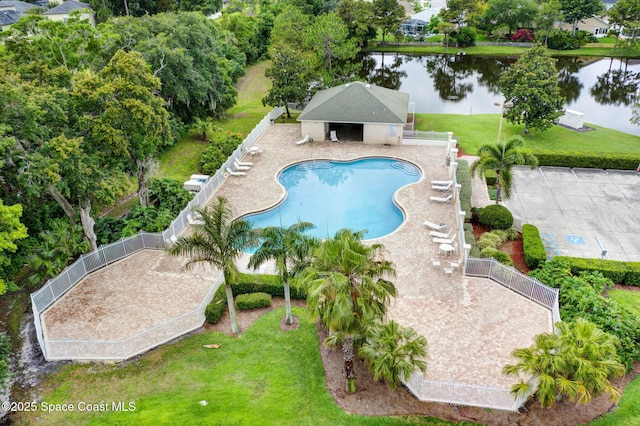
603 89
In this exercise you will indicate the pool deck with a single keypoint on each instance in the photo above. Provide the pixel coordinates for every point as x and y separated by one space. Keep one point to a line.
471 324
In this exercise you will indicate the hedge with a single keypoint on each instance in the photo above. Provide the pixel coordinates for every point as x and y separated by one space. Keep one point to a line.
586 160
490 176
253 301
533 247
463 177
248 283
619 272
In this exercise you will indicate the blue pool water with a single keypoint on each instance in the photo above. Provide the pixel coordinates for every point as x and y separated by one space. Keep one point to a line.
334 195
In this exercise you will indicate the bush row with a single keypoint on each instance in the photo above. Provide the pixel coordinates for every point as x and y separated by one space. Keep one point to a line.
587 160
253 301
580 297
247 284
219 148
533 247
619 272
463 177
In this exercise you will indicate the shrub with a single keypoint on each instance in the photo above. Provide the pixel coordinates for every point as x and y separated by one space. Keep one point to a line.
490 240
463 177
219 148
533 247
498 255
496 216
523 35
469 238
490 176
168 194
619 272
466 36
215 308
253 301
580 298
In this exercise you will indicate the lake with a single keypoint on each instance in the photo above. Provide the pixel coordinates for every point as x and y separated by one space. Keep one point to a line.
604 89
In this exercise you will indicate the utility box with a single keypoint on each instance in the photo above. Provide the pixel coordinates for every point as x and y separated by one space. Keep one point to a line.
573 119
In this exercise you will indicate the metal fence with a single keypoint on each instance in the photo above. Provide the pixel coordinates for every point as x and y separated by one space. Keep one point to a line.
522 284
107 254
418 137
465 394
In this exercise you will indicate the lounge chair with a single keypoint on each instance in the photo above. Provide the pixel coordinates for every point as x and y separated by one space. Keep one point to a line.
442 187
441 234
303 140
334 137
444 240
446 199
239 166
435 226
441 182
234 173
245 163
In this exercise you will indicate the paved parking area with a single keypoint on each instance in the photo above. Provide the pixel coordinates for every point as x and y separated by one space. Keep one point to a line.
580 212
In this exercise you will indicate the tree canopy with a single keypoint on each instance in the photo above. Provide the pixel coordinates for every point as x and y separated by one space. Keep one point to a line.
531 84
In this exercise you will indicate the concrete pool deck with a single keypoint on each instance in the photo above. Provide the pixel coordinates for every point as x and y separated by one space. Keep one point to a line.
471 324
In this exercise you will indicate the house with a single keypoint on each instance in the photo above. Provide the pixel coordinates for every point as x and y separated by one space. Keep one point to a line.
8 18
413 26
595 25
12 11
356 111
64 10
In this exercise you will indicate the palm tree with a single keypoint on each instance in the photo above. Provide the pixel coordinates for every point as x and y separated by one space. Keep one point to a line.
290 248
348 290
393 352
501 158
218 240
577 362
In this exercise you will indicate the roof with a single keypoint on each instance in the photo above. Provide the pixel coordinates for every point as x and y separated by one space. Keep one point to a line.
9 17
18 6
67 7
357 102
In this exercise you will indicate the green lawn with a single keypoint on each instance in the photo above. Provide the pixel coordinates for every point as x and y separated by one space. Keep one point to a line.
628 411
475 130
627 298
182 160
265 377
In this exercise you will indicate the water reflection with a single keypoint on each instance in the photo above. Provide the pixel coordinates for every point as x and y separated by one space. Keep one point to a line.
603 89
617 86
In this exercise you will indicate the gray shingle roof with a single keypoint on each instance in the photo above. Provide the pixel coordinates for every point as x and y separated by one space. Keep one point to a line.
357 102
67 7
18 6
9 17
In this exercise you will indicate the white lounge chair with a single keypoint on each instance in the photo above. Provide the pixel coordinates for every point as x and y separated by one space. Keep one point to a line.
234 173
446 199
444 240
334 137
441 234
245 163
442 187
303 140
441 182
435 226
239 166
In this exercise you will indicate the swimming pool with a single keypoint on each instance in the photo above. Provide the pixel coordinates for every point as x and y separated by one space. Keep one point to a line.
341 194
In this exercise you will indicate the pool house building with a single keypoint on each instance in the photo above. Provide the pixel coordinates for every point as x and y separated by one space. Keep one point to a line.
356 111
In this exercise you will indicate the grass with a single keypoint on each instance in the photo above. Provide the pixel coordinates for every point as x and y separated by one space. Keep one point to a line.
628 410
627 298
505 50
181 161
475 130
264 377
